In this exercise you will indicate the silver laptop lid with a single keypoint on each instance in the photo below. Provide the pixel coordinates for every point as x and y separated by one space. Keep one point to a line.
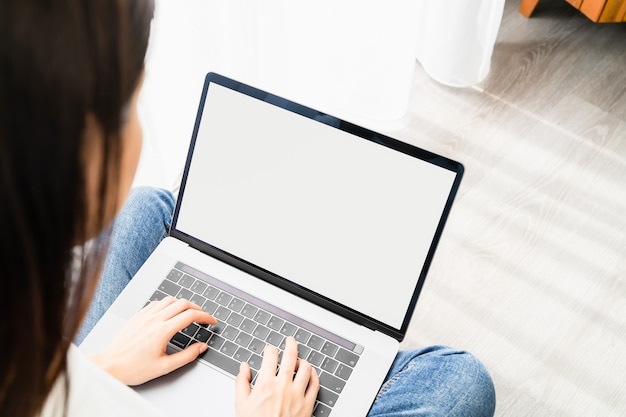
336 213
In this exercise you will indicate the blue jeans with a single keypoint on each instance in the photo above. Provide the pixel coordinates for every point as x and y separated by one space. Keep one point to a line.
434 381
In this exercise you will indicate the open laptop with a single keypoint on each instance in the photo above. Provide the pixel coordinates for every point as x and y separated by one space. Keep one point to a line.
291 222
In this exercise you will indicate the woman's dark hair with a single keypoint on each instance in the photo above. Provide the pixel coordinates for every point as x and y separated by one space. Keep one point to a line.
62 62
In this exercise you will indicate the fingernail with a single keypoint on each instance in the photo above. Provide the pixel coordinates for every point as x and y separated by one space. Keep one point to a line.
203 347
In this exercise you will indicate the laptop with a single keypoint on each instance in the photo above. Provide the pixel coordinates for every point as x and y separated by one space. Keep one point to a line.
290 222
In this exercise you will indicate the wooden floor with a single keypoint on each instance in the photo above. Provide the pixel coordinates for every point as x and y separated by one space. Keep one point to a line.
530 275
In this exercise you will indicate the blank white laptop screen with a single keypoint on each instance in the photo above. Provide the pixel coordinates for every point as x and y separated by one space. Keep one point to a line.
342 216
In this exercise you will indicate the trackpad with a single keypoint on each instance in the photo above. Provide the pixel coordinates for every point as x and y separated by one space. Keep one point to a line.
194 388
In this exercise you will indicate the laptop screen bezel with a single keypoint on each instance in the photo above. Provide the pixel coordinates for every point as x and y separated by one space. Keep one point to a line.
359 131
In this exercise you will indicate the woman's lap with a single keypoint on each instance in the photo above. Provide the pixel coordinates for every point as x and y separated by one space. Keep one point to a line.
435 381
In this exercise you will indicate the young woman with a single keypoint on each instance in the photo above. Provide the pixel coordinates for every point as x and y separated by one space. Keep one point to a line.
70 75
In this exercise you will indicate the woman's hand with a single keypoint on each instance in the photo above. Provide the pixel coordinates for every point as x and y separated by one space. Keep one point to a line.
138 355
290 393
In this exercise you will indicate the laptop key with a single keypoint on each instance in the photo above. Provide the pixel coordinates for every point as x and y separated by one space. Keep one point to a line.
242 355
262 316
174 275
329 349
332 382
203 335
222 313
315 358
211 293
261 332
249 311
343 372
236 304
288 329
243 339
257 346
275 339
303 351
327 397
184 293
315 342
199 286
190 330
229 348
197 300
321 410
223 298
255 361
216 341
275 323
248 326
169 287
329 365
180 340
302 336
230 333
210 306
347 357
186 281
220 360
235 319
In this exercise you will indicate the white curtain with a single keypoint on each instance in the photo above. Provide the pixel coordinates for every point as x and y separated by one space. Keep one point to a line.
354 59
456 39
351 57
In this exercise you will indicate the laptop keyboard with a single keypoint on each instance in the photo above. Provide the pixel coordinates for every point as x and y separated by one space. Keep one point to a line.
246 324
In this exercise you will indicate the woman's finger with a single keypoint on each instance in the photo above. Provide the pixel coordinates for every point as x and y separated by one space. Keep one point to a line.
303 375
178 307
313 387
155 306
242 383
269 363
178 359
290 357
186 317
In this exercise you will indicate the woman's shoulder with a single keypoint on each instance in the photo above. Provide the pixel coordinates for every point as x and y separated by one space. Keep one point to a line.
94 393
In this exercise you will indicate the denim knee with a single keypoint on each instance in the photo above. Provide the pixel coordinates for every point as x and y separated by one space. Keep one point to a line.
138 229
436 381
480 396
148 206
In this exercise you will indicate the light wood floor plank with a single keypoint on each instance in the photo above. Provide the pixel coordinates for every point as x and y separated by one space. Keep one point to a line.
531 271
